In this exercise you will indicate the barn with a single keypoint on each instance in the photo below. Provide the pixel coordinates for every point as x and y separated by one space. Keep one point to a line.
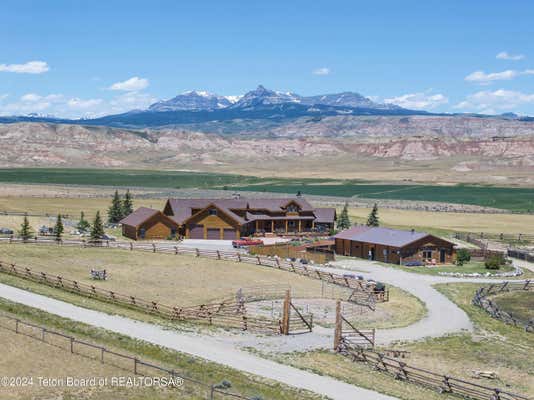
393 246
147 223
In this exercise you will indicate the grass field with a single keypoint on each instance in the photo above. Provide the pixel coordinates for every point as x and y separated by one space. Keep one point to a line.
520 304
493 346
444 222
24 356
518 199
38 359
172 280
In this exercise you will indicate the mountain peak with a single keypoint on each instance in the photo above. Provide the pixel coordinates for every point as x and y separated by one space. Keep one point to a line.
192 100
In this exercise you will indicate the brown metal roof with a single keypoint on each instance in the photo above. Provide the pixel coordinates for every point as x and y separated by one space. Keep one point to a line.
139 216
325 215
380 235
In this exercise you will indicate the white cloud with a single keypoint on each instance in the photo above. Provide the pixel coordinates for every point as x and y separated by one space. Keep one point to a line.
503 55
83 104
131 85
484 78
321 71
31 67
418 100
491 102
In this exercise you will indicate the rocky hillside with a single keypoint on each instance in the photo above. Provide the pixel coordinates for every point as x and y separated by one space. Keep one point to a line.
393 148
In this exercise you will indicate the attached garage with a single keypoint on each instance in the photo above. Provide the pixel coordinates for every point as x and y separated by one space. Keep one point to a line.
213 234
146 223
196 232
229 234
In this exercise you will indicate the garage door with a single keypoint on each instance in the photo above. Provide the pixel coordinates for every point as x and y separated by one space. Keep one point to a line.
196 232
213 234
229 234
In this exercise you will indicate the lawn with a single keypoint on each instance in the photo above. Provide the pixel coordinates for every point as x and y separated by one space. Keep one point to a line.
25 356
519 304
173 280
471 267
493 346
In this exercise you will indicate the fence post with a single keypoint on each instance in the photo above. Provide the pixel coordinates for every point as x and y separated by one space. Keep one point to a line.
16 326
71 344
339 323
238 256
286 310
218 255
131 246
198 252
43 330
212 392
175 250
153 247
135 366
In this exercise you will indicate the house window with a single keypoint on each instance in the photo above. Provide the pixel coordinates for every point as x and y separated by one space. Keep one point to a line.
212 211
292 208
427 254
291 224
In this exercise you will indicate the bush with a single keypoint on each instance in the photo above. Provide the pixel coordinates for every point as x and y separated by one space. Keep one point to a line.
495 261
462 256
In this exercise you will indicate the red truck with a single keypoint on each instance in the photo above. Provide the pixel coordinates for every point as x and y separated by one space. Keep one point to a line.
237 244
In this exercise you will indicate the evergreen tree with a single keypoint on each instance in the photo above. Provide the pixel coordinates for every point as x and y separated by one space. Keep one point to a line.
127 204
83 224
59 228
115 210
373 220
25 229
344 221
97 230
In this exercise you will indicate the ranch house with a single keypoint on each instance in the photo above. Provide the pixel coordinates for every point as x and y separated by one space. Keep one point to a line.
228 219
393 246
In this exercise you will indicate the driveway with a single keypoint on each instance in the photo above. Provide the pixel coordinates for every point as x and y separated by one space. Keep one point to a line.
197 345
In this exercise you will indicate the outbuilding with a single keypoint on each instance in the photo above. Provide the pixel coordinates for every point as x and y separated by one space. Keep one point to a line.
393 246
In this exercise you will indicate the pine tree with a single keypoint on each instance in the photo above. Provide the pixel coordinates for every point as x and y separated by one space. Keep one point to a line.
344 220
97 230
25 229
115 210
83 224
127 204
59 229
373 220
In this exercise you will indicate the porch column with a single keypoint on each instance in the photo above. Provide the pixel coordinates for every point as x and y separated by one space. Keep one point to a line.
256 226
286 225
300 226
272 226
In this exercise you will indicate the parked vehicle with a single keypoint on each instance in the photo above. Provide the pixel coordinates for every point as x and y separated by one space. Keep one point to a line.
110 238
413 264
6 231
238 244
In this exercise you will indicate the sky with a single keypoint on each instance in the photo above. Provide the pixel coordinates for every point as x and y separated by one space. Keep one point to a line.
90 58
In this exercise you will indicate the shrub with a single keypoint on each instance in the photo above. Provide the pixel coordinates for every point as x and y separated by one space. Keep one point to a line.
494 261
462 256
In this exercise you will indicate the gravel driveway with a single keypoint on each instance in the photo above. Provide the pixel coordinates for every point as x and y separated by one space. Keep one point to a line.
201 346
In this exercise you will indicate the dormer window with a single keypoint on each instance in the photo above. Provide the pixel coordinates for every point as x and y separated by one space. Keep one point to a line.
212 211
292 208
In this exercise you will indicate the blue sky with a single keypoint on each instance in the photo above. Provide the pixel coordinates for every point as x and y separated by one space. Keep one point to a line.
83 58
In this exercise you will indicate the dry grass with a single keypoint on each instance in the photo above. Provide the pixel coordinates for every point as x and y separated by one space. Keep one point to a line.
441 221
68 205
169 279
24 356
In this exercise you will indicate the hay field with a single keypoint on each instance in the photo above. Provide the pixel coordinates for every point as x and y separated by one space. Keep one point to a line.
173 280
441 221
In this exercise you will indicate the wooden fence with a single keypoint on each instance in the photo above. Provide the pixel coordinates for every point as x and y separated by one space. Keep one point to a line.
359 346
521 254
228 313
183 384
482 300
294 267
290 251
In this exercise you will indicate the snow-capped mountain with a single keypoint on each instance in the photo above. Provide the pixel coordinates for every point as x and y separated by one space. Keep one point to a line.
263 96
194 100
206 101
345 99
